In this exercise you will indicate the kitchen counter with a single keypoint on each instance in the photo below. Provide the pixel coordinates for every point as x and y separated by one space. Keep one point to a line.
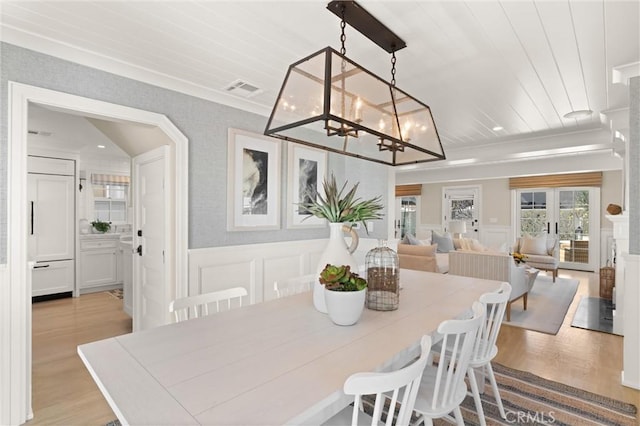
108 235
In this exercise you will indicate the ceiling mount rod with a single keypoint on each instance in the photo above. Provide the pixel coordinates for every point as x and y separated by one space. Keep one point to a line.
367 24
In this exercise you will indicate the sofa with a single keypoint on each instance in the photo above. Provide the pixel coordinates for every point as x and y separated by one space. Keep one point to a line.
418 257
494 266
541 252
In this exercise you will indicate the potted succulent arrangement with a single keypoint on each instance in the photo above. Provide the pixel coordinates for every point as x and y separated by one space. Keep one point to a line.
101 227
342 209
344 293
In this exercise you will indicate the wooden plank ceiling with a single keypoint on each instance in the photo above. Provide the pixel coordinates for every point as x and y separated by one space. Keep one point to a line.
490 70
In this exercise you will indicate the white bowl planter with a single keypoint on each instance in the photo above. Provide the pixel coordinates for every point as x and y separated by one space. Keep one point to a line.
345 307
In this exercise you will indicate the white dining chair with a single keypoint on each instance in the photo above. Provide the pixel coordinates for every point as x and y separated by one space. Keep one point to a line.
485 348
400 387
442 388
294 285
203 304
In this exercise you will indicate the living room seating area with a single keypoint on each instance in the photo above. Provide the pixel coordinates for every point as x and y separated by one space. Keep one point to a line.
494 266
540 252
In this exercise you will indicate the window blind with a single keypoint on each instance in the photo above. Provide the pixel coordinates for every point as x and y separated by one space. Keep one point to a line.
408 190
557 181
104 179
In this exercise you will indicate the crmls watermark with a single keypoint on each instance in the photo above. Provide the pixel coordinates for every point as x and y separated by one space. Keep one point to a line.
524 417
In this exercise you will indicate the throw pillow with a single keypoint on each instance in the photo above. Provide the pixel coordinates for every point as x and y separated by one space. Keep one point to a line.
537 245
462 244
413 240
417 250
477 246
444 241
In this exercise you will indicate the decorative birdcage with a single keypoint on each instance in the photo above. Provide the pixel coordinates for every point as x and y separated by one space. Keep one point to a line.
383 278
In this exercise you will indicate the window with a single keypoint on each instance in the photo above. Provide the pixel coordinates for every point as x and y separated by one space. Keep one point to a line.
111 195
567 214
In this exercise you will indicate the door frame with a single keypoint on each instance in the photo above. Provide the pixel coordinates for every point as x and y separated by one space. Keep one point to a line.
15 298
477 197
553 201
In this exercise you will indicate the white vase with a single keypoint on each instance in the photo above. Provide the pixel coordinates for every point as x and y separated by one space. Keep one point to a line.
336 253
345 307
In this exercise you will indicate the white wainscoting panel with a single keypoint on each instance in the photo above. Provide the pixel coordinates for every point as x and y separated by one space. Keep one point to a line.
256 266
606 241
494 236
631 326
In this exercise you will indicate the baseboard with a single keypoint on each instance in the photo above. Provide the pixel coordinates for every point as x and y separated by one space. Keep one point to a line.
47 297
98 289
634 385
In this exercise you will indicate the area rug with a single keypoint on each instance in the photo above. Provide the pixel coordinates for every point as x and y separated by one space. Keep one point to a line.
117 293
531 400
547 305
594 313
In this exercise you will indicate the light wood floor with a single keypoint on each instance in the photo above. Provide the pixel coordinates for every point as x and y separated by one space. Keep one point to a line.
64 393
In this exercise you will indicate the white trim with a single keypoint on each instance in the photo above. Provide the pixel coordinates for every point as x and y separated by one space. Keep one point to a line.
631 326
15 399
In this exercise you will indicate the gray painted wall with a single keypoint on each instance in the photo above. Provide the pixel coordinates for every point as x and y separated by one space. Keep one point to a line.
204 123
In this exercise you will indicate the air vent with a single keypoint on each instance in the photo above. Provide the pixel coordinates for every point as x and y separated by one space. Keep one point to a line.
38 132
242 88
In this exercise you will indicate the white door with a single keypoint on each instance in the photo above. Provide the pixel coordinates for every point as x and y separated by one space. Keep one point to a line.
150 228
568 214
407 215
51 217
462 203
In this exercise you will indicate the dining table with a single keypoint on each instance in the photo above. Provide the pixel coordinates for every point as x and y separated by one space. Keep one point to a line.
271 363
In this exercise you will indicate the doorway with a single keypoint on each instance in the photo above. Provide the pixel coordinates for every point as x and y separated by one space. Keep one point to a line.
407 214
17 371
462 203
569 214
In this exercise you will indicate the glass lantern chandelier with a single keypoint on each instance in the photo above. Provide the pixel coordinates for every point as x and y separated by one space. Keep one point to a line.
327 101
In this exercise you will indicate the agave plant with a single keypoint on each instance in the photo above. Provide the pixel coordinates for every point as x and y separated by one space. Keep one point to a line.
338 207
340 278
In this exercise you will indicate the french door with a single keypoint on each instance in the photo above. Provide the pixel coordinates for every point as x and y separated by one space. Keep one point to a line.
569 214
407 214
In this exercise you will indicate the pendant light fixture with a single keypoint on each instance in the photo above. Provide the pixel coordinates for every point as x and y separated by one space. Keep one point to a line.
329 102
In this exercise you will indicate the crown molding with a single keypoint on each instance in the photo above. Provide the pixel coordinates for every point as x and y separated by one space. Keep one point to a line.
48 46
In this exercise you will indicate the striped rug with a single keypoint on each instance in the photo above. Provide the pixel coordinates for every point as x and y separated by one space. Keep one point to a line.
531 400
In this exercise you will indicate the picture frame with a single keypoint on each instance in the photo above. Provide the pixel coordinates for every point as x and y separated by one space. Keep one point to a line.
306 167
253 183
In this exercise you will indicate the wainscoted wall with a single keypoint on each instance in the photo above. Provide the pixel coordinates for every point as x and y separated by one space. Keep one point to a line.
257 266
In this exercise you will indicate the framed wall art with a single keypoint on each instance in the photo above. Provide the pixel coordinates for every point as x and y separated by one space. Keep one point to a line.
253 182
306 171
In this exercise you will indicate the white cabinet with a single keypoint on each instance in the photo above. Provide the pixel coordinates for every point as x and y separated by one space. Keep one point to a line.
52 277
98 262
51 224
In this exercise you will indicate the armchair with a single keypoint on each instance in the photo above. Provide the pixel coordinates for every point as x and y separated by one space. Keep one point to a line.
541 253
493 266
